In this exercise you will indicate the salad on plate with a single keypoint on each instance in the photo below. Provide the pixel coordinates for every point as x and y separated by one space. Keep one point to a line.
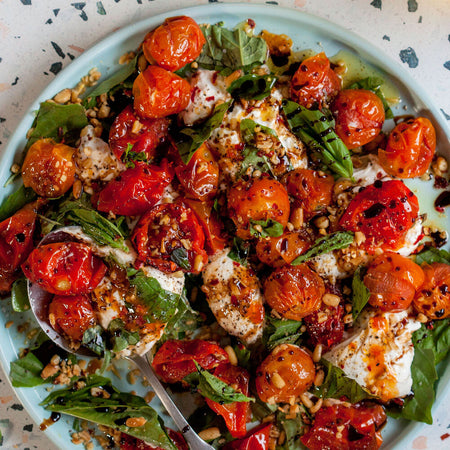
238 211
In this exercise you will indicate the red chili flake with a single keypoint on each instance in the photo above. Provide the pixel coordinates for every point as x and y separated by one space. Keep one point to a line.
445 436
210 99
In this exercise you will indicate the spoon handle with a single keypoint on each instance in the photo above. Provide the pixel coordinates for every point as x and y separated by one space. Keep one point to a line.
192 438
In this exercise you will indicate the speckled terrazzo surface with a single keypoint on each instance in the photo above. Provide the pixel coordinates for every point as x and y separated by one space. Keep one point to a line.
39 38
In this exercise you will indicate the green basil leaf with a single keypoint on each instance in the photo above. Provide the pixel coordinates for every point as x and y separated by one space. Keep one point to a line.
293 428
120 337
162 305
113 81
248 131
19 295
431 255
111 412
26 371
188 140
94 339
326 244
424 376
16 201
337 385
281 331
261 409
360 294
269 228
243 355
316 131
55 121
230 49
240 251
435 337
180 257
254 159
211 387
252 87
374 84
102 230
129 157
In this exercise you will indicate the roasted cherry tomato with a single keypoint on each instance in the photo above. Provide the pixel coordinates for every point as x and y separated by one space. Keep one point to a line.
359 116
383 212
278 251
340 427
16 243
65 268
170 238
294 291
144 135
128 442
200 176
159 93
409 149
135 190
257 439
258 199
211 224
235 414
285 374
392 280
325 326
314 82
71 315
312 190
433 297
178 41
175 359
49 168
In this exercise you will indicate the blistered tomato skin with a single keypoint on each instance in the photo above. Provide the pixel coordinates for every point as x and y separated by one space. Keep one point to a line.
433 296
392 280
16 243
315 83
175 359
159 93
144 135
235 414
285 374
383 212
178 41
294 291
409 149
167 228
311 190
135 190
259 199
359 116
257 439
71 315
48 168
68 268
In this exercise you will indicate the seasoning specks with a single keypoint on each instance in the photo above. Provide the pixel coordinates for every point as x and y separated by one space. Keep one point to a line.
376 4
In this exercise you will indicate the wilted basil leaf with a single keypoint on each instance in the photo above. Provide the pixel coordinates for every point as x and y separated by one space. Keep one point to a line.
265 228
252 87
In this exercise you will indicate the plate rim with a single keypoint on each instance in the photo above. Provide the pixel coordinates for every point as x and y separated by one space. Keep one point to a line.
370 53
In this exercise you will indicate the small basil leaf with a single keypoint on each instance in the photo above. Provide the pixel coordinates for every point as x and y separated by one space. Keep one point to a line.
326 244
248 131
16 201
265 228
129 157
240 251
360 294
281 331
254 159
120 337
180 257
94 339
252 87
431 255
26 371
19 295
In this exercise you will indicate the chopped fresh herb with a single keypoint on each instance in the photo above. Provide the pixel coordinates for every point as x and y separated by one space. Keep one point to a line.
374 84
293 428
281 331
317 132
248 131
326 244
230 49
120 337
56 121
431 255
26 371
19 295
129 157
188 140
243 355
211 387
265 228
95 340
252 87
180 257
360 293
254 159
240 251
16 201
112 409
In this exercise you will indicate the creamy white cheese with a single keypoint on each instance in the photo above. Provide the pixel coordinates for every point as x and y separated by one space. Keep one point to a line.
222 278
378 353
370 172
327 267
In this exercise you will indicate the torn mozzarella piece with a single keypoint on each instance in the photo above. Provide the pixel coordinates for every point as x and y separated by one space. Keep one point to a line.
234 296
369 172
378 353
326 266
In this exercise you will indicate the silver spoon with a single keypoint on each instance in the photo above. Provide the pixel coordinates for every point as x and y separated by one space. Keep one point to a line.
39 302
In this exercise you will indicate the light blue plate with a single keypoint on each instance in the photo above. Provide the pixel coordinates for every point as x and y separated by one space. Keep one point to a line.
307 32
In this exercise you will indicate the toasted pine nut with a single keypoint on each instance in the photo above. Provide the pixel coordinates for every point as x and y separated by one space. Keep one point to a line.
306 400
331 300
322 222
231 355
317 406
209 434
318 379
317 354
135 422
277 380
